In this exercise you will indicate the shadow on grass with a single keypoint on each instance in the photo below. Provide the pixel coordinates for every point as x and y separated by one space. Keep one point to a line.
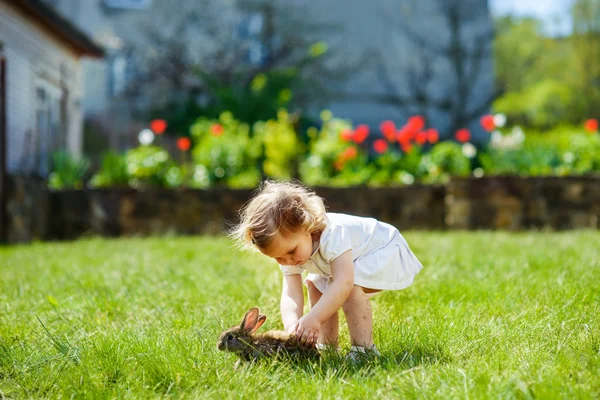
337 364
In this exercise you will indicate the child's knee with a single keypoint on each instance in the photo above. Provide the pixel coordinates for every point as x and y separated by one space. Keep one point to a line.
311 287
314 294
370 292
357 298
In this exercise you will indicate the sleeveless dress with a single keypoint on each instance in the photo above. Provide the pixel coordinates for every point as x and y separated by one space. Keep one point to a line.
381 256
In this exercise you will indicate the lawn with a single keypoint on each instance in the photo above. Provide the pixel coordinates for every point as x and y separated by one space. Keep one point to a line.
492 315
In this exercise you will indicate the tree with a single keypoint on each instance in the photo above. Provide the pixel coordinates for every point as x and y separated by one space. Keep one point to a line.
586 55
549 80
442 63
532 70
518 51
249 57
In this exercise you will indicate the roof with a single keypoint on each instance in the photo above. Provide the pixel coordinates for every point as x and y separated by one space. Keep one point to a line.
59 26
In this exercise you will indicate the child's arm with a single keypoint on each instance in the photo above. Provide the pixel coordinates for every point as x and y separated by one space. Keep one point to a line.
342 271
292 301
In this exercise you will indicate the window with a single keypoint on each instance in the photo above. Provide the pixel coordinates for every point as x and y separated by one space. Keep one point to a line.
249 30
121 70
117 76
50 125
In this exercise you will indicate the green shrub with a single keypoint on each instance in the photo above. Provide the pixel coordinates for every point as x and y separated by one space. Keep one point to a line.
582 155
281 147
445 159
226 151
151 166
331 159
113 171
565 150
396 168
542 105
68 172
540 161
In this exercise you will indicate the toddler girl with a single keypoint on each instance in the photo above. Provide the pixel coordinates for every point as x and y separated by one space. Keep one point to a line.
348 259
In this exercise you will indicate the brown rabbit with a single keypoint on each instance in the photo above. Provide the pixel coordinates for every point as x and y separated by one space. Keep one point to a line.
249 346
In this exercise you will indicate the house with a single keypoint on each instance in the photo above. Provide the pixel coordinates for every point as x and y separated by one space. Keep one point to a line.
41 89
107 116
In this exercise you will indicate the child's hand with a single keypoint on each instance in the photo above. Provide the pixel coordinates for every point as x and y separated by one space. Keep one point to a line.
307 329
291 330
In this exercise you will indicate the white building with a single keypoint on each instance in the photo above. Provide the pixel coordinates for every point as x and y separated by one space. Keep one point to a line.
104 79
42 89
408 47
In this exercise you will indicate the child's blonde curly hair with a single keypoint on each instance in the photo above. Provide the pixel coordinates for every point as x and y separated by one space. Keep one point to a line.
284 207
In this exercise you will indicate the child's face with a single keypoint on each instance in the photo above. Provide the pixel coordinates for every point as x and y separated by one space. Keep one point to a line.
292 249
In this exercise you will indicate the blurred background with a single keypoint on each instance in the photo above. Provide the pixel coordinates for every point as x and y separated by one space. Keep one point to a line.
207 94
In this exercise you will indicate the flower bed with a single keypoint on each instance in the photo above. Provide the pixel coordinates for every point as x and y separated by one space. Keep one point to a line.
227 152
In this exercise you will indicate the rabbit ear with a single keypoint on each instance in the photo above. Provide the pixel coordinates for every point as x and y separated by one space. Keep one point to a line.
250 320
261 320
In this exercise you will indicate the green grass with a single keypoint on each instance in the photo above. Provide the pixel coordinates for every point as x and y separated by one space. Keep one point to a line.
492 315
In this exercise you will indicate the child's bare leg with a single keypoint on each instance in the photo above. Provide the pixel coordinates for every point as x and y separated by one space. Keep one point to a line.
359 317
330 329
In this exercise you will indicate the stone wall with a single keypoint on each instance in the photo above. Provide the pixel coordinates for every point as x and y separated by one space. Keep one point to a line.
27 209
129 212
410 207
508 203
153 212
514 203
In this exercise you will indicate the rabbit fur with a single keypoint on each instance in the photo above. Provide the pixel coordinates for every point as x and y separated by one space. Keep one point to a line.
250 346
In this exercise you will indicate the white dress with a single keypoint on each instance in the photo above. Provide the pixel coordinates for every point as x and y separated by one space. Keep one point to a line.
382 258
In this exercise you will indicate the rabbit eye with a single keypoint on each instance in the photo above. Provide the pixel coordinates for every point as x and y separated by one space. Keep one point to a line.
230 337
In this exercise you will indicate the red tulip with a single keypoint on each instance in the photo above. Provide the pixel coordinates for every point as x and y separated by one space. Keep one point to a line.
406 147
184 143
591 125
416 123
361 133
433 135
158 126
216 129
405 134
487 121
349 154
380 146
463 135
421 137
389 130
